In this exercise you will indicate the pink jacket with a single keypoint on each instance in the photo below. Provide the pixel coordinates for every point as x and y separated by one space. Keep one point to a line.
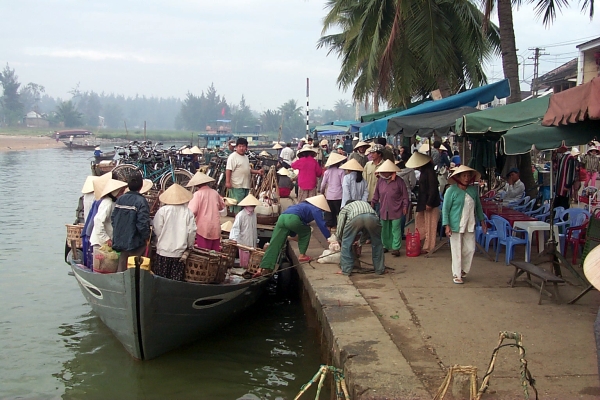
205 205
309 170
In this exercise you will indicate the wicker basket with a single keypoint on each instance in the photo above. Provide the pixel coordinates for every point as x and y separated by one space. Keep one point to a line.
229 248
254 261
153 202
205 267
74 233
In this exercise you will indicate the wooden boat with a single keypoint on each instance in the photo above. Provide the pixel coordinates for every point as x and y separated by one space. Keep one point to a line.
105 156
79 146
151 315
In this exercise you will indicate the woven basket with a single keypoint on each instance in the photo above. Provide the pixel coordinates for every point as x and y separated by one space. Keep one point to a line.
229 248
205 267
74 233
153 202
256 257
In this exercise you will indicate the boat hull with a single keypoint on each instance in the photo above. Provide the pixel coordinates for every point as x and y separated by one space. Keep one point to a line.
159 315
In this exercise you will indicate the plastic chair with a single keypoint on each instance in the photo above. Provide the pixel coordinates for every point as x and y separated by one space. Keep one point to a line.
507 239
526 207
489 196
572 217
520 202
576 236
545 208
558 211
486 238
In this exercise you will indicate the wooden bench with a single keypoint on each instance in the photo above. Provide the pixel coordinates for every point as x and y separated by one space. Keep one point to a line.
546 277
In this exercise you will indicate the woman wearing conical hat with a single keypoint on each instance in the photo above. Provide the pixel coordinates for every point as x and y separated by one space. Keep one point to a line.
392 196
460 211
308 172
331 187
428 200
359 153
294 221
284 182
205 205
175 229
244 229
354 186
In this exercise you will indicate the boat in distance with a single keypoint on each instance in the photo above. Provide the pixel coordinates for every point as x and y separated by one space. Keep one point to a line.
151 315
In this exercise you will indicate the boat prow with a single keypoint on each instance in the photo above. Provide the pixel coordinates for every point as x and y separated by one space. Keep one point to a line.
151 315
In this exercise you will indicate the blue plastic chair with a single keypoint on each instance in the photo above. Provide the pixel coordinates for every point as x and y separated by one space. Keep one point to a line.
545 208
558 212
526 207
506 238
489 236
520 202
571 218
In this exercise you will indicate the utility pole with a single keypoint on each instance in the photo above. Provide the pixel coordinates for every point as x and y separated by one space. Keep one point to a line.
536 64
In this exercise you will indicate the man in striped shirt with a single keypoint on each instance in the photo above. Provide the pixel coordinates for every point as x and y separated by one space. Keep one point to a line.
355 217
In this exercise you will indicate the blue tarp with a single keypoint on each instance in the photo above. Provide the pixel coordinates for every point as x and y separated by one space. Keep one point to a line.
469 98
326 133
341 123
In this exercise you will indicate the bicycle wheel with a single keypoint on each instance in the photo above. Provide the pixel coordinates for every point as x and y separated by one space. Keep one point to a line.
124 171
179 176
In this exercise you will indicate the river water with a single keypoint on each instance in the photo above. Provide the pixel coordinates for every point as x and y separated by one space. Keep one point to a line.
53 346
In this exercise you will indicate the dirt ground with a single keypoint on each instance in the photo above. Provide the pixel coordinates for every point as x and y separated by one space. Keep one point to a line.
19 143
437 324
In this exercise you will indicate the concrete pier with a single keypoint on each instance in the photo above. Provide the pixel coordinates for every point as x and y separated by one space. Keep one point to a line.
395 335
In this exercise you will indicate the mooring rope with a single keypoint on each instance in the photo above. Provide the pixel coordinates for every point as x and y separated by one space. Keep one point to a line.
341 390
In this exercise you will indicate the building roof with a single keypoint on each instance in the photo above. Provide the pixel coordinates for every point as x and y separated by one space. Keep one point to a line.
558 75
588 44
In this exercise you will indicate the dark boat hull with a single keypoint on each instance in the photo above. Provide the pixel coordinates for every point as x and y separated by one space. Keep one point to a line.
159 315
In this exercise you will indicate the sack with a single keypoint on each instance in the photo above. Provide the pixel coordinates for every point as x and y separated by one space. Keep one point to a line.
106 260
413 244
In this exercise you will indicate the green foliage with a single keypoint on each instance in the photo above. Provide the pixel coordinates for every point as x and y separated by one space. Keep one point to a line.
12 108
199 111
242 119
30 96
67 113
294 124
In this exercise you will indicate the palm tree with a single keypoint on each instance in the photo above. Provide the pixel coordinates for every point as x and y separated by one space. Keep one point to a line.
392 50
341 109
67 113
291 117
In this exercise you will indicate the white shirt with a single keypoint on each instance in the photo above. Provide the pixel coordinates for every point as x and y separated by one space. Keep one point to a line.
514 191
240 170
175 228
467 219
287 155
103 230
352 190
244 230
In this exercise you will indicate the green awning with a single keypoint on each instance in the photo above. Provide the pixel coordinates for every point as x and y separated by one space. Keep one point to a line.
500 119
520 140
380 114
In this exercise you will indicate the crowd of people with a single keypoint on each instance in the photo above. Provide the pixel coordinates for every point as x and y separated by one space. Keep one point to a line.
363 192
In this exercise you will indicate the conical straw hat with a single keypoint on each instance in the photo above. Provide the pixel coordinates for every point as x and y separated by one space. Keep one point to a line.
226 226
361 144
335 158
417 160
319 201
186 151
461 169
283 171
352 165
264 153
324 142
229 202
198 179
175 194
442 147
146 186
424 148
111 186
388 166
249 201
277 146
88 186
305 148
196 150
591 267
99 184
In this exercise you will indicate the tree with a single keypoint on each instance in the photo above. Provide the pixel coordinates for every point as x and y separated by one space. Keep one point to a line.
394 50
67 113
271 121
113 116
242 117
12 108
90 108
199 111
343 110
30 96
292 123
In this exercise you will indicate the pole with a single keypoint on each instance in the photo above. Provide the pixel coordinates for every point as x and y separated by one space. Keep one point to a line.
126 131
308 112
144 131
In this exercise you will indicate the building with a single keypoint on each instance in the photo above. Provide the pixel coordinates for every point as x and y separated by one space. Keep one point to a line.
560 78
588 62
34 119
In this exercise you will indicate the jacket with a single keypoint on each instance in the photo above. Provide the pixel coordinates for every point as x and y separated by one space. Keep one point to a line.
454 200
131 222
428 194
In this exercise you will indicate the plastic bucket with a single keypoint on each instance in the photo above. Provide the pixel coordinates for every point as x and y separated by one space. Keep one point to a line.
413 244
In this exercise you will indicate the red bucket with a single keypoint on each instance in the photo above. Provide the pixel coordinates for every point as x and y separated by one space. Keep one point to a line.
413 244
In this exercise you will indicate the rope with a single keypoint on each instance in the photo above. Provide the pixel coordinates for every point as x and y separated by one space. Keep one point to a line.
456 369
341 390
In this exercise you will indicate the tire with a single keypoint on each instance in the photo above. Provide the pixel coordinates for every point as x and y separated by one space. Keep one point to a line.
124 171
182 177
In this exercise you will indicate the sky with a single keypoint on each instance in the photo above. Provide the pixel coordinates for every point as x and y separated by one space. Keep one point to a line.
263 50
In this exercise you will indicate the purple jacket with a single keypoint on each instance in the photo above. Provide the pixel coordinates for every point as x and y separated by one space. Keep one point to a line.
392 197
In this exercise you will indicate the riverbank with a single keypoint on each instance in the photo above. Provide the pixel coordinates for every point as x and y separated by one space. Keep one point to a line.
396 335
20 143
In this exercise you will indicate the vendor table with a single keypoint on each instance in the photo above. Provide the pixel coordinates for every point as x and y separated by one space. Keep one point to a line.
532 226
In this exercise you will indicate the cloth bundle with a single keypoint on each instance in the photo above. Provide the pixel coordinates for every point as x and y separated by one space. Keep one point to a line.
332 254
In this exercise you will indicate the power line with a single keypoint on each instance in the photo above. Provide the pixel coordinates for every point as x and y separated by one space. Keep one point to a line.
572 41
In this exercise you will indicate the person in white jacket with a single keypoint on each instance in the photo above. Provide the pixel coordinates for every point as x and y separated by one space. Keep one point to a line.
175 229
244 230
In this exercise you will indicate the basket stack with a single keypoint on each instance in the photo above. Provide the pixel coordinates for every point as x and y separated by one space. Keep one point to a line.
229 248
74 233
206 267
153 202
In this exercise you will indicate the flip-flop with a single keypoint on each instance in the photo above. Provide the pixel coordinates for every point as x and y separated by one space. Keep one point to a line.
304 259
457 280
463 274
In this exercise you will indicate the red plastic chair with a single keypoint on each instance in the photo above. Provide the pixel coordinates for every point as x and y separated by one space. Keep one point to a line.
575 236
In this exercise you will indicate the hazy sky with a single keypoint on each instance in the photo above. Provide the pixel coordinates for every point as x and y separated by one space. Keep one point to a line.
262 49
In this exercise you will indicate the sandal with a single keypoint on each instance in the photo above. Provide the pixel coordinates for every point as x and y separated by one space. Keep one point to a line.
304 259
457 280
463 274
